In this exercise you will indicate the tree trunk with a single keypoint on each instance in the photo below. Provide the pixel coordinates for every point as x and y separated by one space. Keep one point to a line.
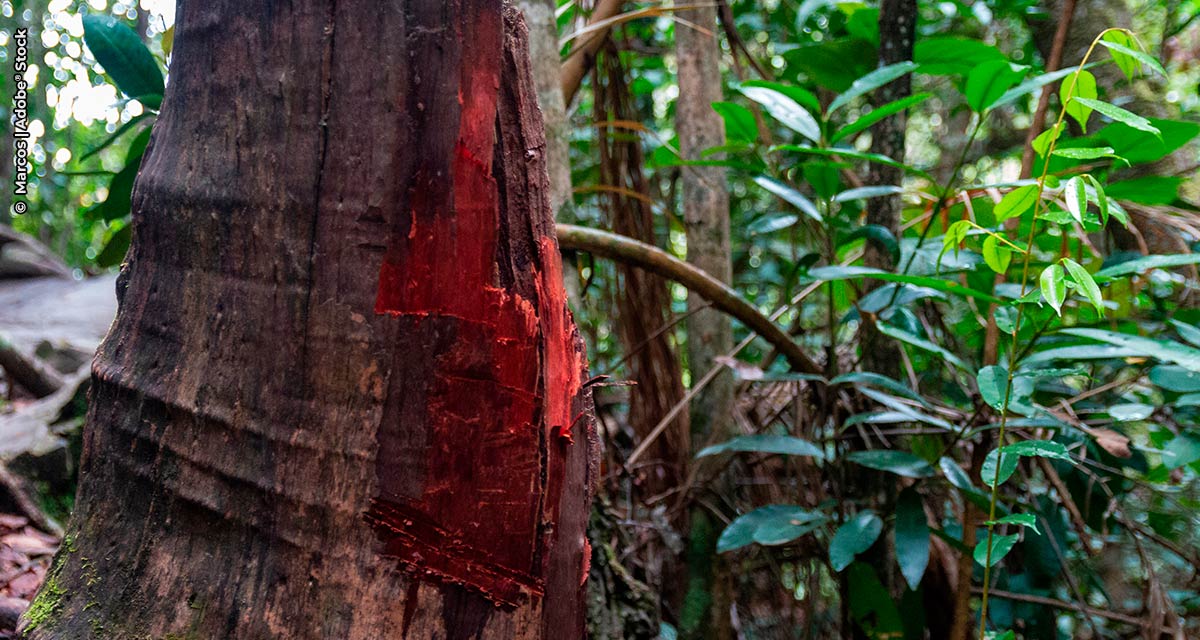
343 396
897 26
709 333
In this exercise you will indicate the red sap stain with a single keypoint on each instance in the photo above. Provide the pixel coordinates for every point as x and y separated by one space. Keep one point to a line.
488 469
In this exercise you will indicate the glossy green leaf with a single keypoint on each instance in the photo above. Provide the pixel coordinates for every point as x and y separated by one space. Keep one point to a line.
871 82
911 536
1032 85
864 193
1139 265
765 443
1122 48
878 234
1001 545
878 380
1119 115
1074 92
1021 519
850 154
1016 202
996 255
115 247
1054 287
1075 194
1166 350
1183 450
1130 411
1175 378
786 110
854 537
922 343
790 195
1039 449
1041 144
1085 284
987 82
126 60
864 122
773 524
827 274
993 385
901 463
1008 466
739 121
1085 153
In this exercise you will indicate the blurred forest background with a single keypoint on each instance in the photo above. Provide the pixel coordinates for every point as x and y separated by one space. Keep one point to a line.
884 342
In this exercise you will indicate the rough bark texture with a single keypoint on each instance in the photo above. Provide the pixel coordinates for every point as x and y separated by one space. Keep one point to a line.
705 612
897 24
343 396
705 211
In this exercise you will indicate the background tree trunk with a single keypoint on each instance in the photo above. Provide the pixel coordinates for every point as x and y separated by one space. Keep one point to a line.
343 396
709 332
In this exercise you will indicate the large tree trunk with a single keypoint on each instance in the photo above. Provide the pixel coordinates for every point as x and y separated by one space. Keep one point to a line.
343 397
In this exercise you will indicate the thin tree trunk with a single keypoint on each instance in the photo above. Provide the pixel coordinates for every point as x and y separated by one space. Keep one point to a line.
710 334
897 28
343 396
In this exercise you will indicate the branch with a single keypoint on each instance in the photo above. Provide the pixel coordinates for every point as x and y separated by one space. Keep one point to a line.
1066 606
581 57
639 254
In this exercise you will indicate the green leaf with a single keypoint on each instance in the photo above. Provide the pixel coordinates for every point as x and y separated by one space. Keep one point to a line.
739 121
942 55
1054 287
900 463
993 385
850 154
1183 450
1039 449
996 256
133 122
1175 378
1128 59
1074 91
1097 194
115 247
1008 466
1001 545
1151 190
1085 153
876 233
1130 412
1187 332
863 193
1029 86
1139 265
1119 115
1085 284
1021 519
773 524
911 537
987 82
828 274
789 195
854 537
875 379
1016 202
785 110
130 64
1166 350
1042 142
765 443
875 115
871 82
921 343
802 96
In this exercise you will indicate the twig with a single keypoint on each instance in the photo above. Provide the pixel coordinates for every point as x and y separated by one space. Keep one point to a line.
639 254
37 378
1066 606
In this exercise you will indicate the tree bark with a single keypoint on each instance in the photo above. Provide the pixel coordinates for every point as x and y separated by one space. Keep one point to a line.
709 332
897 28
343 395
